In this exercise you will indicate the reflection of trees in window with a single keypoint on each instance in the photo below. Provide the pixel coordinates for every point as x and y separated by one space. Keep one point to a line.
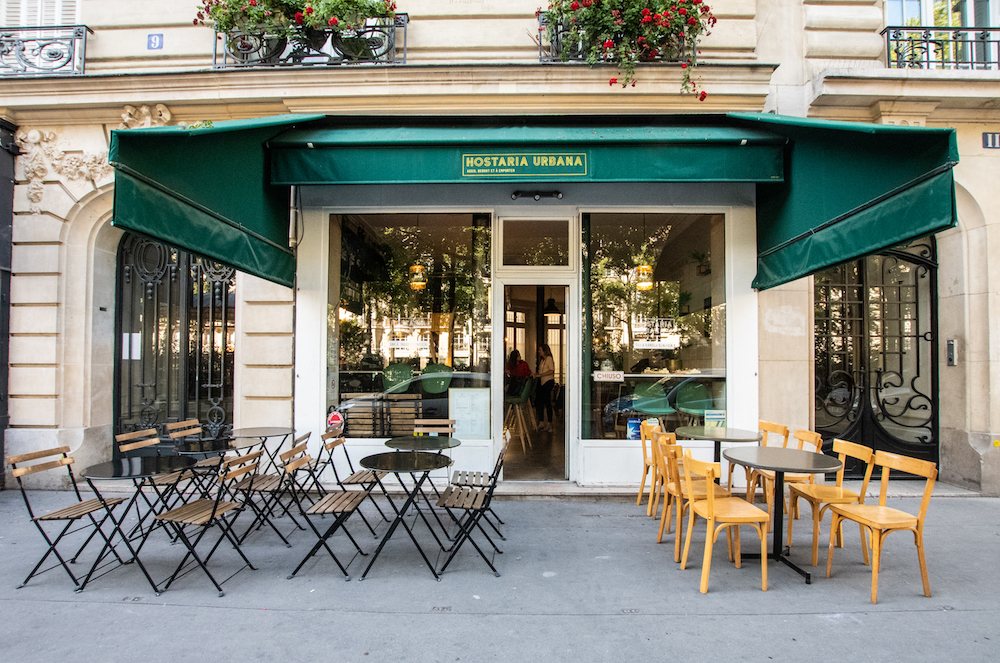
454 250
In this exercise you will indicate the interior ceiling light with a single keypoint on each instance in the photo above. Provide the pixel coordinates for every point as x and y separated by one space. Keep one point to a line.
644 277
551 310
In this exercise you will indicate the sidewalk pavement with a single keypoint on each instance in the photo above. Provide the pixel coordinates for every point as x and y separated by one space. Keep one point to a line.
583 579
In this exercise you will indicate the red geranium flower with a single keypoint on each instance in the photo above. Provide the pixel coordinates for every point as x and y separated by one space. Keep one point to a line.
574 5
299 17
333 21
613 81
608 45
309 10
692 21
702 95
682 11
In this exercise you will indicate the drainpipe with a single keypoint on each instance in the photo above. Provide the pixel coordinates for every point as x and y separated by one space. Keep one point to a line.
8 152
293 243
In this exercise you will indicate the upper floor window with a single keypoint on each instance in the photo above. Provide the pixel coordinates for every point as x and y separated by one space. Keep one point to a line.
951 13
32 13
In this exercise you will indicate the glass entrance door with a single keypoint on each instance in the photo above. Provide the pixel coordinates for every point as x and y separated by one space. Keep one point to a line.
534 381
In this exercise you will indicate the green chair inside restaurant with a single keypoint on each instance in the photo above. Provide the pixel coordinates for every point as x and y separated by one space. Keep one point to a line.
694 398
395 378
441 380
650 399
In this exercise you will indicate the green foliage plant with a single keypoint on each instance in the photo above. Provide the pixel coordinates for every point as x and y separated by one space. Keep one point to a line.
626 32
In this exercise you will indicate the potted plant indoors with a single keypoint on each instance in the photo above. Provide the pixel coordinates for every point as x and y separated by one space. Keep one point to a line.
626 32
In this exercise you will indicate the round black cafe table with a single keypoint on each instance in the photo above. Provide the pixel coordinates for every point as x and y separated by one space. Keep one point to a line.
136 469
718 434
423 442
243 438
413 463
780 460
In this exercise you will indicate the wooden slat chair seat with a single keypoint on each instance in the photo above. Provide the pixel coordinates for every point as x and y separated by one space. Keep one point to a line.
822 496
482 480
475 502
721 513
340 504
472 479
206 513
880 520
70 514
364 479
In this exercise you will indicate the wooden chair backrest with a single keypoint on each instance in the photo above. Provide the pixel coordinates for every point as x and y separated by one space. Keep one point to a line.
711 471
922 468
673 454
661 441
239 460
646 430
845 449
13 461
298 450
337 438
425 426
768 428
810 438
139 439
184 428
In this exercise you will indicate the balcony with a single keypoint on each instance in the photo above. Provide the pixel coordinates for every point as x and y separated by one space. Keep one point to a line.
377 43
557 49
43 51
915 47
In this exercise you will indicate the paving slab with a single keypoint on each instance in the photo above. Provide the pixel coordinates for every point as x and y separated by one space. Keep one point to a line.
582 579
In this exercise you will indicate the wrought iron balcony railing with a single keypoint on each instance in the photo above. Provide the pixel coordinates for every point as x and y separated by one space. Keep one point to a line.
43 51
942 47
376 43
558 50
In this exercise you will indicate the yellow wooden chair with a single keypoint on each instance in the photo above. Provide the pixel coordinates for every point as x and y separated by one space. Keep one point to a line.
660 475
721 513
880 520
805 440
772 435
648 463
680 496
818 494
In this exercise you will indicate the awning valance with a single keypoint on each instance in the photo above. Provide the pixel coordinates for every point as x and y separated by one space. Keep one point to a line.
827 191
208 191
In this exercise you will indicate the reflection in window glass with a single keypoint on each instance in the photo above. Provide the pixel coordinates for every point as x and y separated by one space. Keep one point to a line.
541 242
408 317
654 310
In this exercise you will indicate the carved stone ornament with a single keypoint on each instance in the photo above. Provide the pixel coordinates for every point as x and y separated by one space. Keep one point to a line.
144 117
40 153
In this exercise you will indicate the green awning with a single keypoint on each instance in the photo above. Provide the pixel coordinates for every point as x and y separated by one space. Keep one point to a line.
208 191
827 192
849 190
679 152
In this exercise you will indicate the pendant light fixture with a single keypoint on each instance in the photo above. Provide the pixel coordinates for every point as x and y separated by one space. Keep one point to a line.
644 273
551 310
418 277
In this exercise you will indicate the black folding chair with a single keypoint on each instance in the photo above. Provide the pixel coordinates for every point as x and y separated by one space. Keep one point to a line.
69 515
266 491
475 502
205 513
366 480
205 469
466 479
340 504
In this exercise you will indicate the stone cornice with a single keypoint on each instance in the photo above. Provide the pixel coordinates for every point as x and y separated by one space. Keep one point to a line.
942 96
470 89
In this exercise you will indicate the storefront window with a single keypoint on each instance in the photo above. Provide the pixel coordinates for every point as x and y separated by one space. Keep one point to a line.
654 322
409 322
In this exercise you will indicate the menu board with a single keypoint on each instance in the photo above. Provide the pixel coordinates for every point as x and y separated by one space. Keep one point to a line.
470 408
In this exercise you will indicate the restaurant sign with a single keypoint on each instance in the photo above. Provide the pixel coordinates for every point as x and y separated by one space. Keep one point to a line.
522 164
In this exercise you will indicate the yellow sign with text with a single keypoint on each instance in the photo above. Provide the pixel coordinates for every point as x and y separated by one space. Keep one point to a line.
522 164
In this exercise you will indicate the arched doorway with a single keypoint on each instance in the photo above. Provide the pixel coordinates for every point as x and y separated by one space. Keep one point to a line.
876 351
174 320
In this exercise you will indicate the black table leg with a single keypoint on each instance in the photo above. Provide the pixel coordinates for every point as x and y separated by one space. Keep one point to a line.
400 515
777 552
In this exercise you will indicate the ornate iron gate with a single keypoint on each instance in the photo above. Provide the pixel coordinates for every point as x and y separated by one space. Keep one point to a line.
175 319
876 351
